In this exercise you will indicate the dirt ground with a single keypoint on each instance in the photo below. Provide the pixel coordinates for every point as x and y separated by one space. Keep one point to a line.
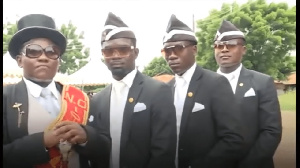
285 156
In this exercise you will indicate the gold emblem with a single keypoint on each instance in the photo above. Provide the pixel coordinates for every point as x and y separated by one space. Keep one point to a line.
241 84
20 113
130 100
190 94
17 105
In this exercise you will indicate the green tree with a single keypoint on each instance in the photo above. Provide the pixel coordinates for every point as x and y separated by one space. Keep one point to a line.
270 31
156 67
9 30
76 53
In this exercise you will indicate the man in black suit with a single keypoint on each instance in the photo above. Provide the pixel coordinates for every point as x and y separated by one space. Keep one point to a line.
208 120
44 122
256 95
136 110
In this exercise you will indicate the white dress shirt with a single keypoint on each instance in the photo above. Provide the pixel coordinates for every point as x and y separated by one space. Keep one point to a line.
181 88
119 93
35 90
232 77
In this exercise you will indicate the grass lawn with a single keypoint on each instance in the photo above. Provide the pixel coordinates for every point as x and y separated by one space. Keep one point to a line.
288 101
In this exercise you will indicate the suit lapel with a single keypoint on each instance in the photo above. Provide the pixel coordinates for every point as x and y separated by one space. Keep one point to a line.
189 100
172 85
59 86
134 93
19 95
106 103
244 83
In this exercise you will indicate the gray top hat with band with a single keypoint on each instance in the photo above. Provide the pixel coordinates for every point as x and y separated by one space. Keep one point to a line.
178 31
228 31
115 28
35 26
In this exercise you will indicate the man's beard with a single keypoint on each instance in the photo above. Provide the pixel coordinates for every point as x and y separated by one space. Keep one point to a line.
119 72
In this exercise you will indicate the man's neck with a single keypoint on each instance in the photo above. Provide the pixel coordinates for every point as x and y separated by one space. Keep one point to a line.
120 76
183 72
229 69
39 82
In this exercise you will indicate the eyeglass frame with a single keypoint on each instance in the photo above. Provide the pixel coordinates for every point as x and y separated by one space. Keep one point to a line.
24 51
116 48
226 43
174 46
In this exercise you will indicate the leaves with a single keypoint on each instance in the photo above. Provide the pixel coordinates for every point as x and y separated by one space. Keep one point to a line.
270 31
76 53
9 30
157 66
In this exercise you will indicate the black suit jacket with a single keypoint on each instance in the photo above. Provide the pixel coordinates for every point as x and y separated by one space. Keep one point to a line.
23 150
261 119
148 138
211 137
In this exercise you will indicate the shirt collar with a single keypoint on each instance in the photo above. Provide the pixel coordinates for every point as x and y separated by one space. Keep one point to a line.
187 76
35 90
128 79
235 73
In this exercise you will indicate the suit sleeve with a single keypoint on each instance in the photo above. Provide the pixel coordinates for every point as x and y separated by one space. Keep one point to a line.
227 125
163 130
270 125
29 150
26 151
97 148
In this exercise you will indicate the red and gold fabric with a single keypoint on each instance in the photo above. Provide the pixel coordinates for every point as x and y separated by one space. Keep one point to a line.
74 107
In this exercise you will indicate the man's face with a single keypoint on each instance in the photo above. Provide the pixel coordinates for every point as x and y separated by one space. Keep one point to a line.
180 55
119 56
39 59
229 53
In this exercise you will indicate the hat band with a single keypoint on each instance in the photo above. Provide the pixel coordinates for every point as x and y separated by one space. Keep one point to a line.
115 31
109 27
173 32
230 33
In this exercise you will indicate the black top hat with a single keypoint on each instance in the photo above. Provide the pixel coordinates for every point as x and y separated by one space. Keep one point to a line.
178 31
115 28
228 31
35 26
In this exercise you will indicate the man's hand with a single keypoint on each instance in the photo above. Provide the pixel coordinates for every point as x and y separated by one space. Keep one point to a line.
51 139
71 131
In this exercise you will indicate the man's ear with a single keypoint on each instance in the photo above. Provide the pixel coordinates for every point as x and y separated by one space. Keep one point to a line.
244 50
195 49
19 61
59 64
136 52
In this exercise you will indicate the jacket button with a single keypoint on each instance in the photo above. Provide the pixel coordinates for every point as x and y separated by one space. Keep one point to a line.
181 149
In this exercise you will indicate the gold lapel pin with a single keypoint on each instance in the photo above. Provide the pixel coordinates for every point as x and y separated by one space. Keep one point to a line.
190 94
20 113
241 84
17 105
130 100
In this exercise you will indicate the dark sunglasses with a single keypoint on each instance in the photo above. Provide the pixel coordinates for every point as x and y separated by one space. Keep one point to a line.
123 51
35 51
229 44
177 49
